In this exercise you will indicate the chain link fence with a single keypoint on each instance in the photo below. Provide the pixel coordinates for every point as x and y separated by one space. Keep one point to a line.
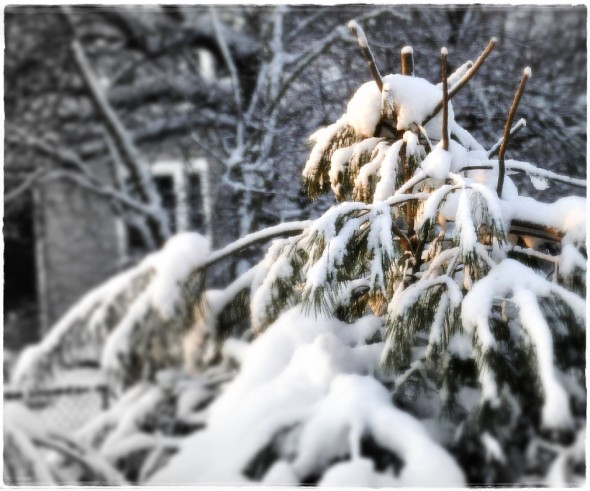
63 409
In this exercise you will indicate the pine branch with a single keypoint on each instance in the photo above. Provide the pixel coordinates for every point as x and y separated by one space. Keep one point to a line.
282 230
526 74
461 83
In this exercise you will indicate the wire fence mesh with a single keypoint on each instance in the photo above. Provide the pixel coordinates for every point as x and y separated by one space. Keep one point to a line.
63 409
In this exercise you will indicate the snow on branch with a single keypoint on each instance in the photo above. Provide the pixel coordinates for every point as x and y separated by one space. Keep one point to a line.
110 315
319 373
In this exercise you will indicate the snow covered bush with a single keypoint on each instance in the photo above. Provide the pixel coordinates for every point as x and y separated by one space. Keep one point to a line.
427 330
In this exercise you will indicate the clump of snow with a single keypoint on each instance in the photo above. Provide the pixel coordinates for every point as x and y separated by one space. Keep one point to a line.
364 109
540 183
181 254
338 165
388 173
437 164
413 99
571 259
464 225
358 472
314 374
280 474
459 155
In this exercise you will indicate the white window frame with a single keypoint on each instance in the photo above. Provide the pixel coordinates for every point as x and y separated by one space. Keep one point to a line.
177 169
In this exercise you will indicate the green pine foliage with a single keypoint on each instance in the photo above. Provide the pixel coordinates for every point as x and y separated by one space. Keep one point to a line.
416 258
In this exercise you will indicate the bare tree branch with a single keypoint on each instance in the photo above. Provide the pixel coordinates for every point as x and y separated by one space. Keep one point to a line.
129 153
229 61
24 186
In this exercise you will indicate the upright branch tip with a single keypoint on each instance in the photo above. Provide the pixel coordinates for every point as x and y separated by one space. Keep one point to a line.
407 55
445 100
461 83
501 166
357 30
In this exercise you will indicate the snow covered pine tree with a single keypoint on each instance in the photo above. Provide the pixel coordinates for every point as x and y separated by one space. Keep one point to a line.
428 330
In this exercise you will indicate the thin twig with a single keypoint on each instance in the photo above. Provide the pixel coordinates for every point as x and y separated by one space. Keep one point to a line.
519 227
533 253
530 169
520 124
461 83
445 108
24 186
357 30
526 74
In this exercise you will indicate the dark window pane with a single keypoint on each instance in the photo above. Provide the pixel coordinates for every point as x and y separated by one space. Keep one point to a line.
195 203
165 188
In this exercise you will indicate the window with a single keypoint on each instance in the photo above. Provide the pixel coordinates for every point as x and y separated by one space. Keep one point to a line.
183 190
